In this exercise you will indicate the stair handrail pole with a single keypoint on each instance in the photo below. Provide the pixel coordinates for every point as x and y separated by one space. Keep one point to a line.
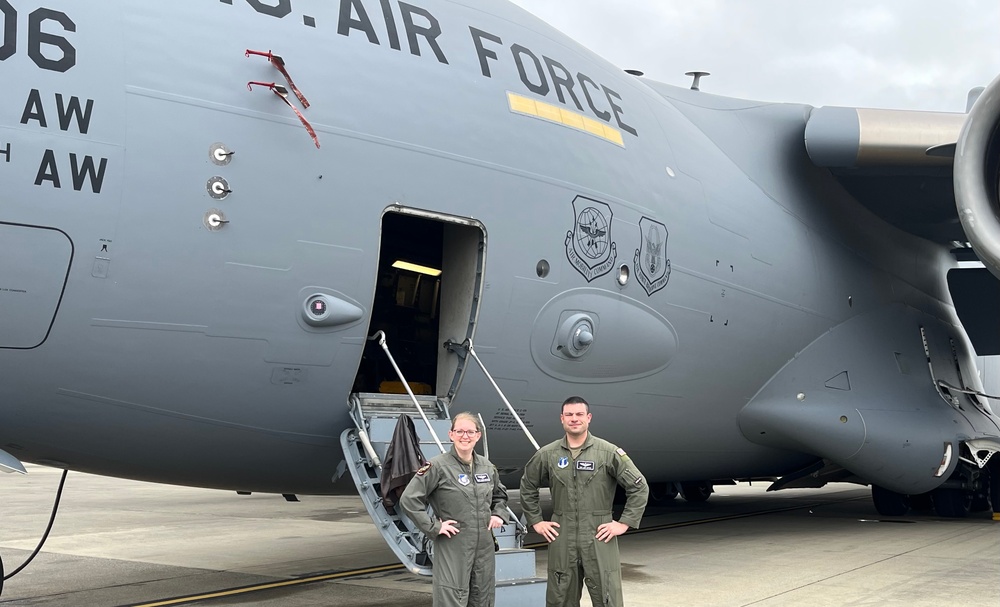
359 423
486 440
380 336
517 417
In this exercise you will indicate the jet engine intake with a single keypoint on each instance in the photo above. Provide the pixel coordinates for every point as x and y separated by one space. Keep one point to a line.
977 177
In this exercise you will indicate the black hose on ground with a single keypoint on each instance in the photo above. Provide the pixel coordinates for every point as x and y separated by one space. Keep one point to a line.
45 536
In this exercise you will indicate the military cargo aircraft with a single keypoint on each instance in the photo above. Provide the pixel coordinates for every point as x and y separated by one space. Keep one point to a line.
210 206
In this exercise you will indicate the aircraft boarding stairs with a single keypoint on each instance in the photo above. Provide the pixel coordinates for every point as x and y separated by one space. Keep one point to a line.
375 417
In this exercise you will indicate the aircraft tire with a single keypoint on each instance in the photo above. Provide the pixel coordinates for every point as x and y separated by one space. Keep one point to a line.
696 491
889 503
952 503
922 502
663 492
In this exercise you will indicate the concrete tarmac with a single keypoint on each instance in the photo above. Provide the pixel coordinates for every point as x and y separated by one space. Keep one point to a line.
118 543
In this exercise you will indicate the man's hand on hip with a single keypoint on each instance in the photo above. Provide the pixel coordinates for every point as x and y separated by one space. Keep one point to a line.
609 530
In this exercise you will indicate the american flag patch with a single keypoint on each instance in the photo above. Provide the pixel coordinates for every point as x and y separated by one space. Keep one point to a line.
620 452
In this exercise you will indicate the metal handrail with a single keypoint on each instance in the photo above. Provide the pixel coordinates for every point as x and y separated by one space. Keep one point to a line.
486 440
467 344
380 336
359 423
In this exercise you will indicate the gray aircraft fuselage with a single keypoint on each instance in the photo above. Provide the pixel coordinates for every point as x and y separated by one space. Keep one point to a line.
164 231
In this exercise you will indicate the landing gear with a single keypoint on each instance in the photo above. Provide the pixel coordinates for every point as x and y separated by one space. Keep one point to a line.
980 502
698 491
981 496
889 503
952 503
994 471
663 492
922 502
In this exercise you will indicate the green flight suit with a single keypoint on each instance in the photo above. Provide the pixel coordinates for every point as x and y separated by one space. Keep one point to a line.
464 564
583 491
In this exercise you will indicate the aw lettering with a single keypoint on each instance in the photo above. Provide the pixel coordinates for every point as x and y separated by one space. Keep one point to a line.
70 114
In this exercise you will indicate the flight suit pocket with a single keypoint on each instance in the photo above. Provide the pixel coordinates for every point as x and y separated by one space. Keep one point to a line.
590 476
631 477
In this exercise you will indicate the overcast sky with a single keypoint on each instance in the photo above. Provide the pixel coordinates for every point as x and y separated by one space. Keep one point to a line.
906 54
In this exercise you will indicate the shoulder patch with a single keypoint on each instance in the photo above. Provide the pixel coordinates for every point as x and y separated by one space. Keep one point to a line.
620 451
423 469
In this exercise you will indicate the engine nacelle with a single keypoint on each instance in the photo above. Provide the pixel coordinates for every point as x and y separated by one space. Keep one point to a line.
977 177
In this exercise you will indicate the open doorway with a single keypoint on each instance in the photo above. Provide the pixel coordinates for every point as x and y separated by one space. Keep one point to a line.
427 292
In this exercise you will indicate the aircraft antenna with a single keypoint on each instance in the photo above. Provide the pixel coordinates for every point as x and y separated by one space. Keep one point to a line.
696 83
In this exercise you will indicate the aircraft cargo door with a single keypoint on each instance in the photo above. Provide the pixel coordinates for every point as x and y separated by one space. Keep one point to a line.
427 292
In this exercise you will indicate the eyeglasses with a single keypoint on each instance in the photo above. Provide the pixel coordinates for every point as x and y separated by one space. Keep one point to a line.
465 432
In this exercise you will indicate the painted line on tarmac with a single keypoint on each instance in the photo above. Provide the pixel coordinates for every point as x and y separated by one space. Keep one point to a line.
193 598
359 572
730 517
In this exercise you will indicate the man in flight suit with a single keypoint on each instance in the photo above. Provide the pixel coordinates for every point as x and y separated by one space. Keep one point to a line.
582 472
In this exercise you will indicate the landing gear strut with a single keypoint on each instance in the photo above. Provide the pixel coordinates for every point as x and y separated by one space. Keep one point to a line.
890 503
952 503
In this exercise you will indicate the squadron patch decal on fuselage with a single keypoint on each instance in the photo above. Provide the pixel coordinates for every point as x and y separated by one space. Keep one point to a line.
651 258
589 246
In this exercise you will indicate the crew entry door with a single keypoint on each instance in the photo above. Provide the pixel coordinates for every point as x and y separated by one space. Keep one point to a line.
430 277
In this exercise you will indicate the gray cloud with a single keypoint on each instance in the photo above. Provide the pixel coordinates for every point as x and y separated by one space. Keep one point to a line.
909 54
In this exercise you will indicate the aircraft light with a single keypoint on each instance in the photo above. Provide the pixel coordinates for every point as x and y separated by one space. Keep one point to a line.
325 310
945 460
413 267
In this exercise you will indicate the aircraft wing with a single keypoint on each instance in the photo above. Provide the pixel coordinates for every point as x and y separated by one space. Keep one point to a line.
934 175
896 163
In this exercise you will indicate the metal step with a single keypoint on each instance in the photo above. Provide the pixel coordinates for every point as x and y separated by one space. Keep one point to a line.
378 403
406 541
515 564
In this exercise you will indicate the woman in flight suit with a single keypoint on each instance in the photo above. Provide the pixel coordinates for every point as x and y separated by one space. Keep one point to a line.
469 501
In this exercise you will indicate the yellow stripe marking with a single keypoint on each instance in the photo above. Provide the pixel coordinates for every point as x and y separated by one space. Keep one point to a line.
519 104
